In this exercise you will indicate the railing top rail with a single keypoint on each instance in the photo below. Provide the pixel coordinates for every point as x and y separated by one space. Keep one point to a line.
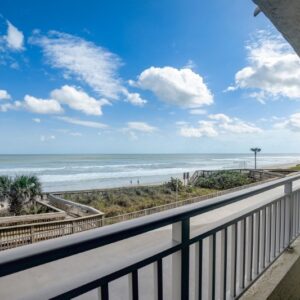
18 259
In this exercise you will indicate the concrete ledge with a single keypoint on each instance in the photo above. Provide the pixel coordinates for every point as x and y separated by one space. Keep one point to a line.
281 281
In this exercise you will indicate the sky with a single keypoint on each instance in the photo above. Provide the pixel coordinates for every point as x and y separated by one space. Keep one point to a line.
168 76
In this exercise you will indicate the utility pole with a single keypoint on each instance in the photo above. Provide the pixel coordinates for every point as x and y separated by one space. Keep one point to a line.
255 150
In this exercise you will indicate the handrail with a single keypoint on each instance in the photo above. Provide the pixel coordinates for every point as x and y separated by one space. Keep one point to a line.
19 259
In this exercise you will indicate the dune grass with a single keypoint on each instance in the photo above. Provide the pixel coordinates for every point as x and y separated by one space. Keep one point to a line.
121 201
116 202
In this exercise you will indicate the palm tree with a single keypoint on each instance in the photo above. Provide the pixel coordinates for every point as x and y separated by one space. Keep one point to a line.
23 189
5 185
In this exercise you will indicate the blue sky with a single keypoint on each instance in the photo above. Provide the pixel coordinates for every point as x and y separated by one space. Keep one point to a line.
145 77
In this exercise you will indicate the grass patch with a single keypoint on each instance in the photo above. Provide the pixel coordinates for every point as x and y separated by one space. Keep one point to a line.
295 168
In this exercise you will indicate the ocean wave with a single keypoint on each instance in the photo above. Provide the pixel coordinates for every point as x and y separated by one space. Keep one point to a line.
29 170
118 166
113 175
68 167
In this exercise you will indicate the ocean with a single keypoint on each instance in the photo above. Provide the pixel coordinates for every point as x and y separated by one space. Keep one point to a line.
89 171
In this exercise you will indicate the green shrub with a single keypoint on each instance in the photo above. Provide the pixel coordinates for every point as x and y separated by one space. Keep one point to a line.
18 191
223 180
175 184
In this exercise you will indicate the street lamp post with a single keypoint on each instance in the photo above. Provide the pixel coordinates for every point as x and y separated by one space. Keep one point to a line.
255 150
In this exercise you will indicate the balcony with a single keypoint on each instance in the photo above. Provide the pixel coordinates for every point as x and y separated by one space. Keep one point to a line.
214 249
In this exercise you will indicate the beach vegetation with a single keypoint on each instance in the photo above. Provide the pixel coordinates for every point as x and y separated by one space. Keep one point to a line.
295 168
174 184
223 180
20 192
120 201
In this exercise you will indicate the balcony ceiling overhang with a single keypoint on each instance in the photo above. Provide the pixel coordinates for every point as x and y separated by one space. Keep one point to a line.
285 15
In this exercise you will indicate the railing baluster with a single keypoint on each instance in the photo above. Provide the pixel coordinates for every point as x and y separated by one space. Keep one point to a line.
282 223
233 257
213 266
210 268
198 269
288 189
249 250
185 259
224 235
256 243
133 285
267 235
181 260
277 245
176 263
242 240
295 213
262 239
103 292
158 280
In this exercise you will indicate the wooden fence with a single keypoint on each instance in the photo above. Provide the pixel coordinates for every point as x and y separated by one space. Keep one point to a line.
14 236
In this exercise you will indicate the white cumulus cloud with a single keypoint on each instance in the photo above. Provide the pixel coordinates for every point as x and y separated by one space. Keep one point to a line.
83 60
204 128
291 123
82 122
141 126
42 106
273 70
10 106
198 111
14 37
4 95
134 98
78 100
216 124
138 127
181 87
45 138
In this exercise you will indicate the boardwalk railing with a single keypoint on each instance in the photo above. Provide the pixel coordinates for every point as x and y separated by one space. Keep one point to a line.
15 236
229 255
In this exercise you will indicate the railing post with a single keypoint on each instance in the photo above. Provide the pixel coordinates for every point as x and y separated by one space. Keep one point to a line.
288 189
32 234
180 260
73 227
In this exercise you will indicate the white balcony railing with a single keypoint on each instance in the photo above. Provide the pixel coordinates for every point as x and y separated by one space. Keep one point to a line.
244 233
